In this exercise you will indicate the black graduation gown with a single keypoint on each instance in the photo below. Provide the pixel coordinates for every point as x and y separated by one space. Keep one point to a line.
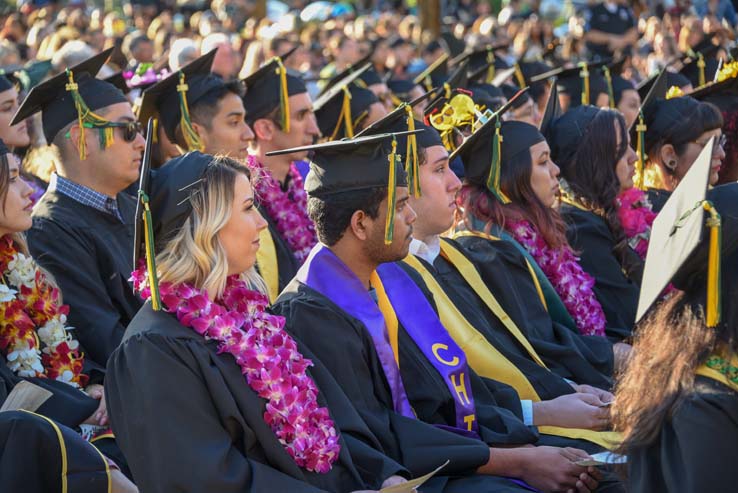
696 448
582 359
589 235
188 420
90 253
38 455
345 346
286 261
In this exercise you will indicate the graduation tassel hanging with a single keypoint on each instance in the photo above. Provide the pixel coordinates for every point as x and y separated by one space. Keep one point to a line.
519 76
150 253
192 140
284 95
610 90
584 74
493 179
714 295
411 156
640 171
491 69
87 119
344 118
389 225
701 66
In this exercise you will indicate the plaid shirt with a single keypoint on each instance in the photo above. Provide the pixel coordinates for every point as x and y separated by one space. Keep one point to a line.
85 196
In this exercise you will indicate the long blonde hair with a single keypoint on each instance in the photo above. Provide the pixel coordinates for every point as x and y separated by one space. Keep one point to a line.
195 255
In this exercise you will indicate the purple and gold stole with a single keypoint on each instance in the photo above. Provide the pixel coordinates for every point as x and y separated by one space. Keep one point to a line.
327 274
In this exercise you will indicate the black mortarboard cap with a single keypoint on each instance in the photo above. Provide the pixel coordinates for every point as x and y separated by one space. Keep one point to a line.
701 65
551 113
58 99
434 74
6 82
673 79
401 88
343 106
678 250
479 57
173 98
370 77
268 88
118 81
487 95
565 134
578 82
355 164
510 90
724 91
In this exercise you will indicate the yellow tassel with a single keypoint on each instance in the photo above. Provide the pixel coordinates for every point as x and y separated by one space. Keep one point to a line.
714 301
701 66
584 74
639 178
610 90
674 92
447 90
87 119
389 225
344 118
491 69
284 96
411 156
519 76
150 253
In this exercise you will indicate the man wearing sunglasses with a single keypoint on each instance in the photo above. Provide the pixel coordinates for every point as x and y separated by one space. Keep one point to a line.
83 226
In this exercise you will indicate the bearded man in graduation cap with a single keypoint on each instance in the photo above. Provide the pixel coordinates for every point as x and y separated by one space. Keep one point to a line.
355 305
280 112
83 224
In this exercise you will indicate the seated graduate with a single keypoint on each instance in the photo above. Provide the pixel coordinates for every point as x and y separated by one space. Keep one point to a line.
495 348
280 112
36 344
591 146
199 110
39 455
246 409
677 403
355 308
83 223
674 131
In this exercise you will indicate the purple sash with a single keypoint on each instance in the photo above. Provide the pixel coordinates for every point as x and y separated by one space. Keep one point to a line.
327 274
421 322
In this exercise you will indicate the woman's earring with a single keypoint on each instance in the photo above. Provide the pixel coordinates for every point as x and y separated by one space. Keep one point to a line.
671 165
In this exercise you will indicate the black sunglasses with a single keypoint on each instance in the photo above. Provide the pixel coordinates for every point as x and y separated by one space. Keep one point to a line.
130 129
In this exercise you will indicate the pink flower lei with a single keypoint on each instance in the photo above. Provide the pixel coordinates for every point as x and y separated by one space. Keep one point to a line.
636 216
288 209
268 357
573 285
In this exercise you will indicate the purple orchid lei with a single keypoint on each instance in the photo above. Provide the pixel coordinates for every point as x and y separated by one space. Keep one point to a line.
268 357
288 209
571 283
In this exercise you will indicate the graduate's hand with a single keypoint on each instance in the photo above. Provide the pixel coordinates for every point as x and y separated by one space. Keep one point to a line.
577 410
99 417
120 483
604 396
554 469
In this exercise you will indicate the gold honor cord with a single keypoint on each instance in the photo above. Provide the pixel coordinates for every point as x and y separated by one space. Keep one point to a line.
87 119
192 140
389 226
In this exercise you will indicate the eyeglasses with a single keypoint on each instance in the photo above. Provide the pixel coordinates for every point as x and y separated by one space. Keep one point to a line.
716 144
130 129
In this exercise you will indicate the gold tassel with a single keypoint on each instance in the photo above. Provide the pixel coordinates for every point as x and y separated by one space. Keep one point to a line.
344 118
639 179
714 295
192 140
284 95
493 179
674 92
519 76
491 69
447 90
584 74
411 157
610 90
701 66
389 225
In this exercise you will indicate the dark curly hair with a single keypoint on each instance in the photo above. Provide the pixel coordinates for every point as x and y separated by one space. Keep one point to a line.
332 213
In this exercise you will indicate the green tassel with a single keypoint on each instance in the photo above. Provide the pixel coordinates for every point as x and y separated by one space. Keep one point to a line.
150 253
389 225
87 119
493 179
192 140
